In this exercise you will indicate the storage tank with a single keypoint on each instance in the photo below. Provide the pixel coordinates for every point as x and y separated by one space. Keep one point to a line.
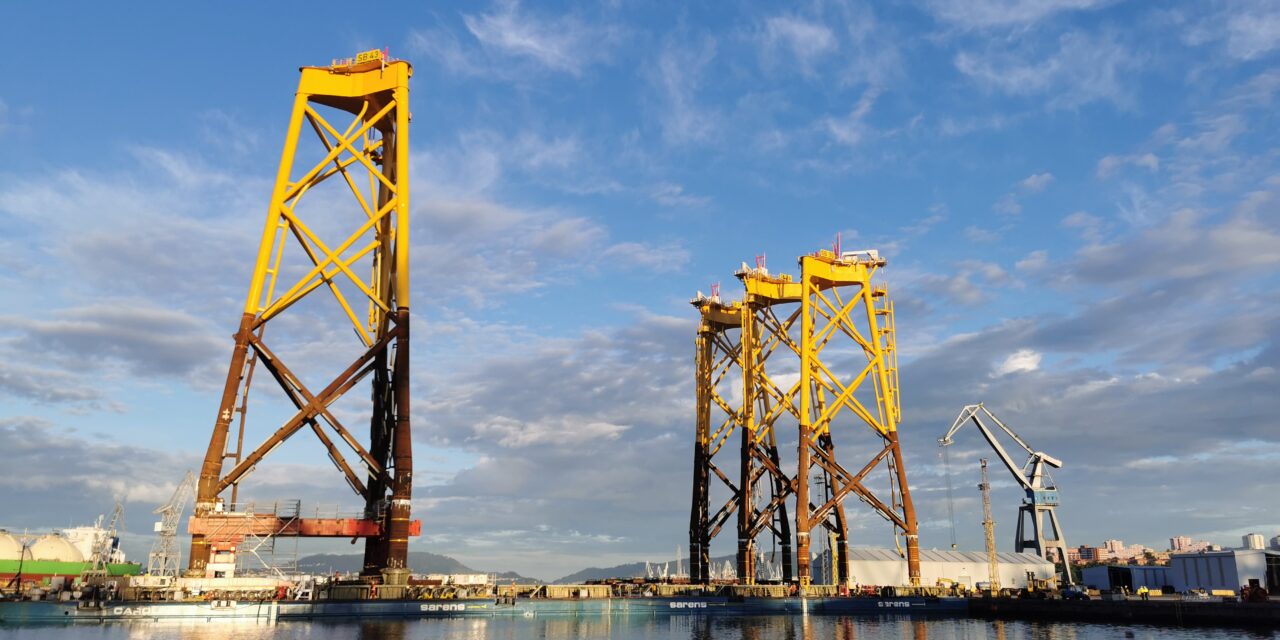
56 548
11 547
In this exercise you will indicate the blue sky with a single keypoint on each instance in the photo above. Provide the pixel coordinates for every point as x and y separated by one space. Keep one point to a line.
1077 199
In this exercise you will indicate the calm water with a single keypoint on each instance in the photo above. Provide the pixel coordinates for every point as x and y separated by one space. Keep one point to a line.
630 628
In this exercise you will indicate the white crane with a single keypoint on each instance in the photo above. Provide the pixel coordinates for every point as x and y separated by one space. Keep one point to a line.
104 546
1041 493
165 557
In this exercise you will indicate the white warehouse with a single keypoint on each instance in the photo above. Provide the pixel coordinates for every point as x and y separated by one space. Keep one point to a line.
886 567
1229 569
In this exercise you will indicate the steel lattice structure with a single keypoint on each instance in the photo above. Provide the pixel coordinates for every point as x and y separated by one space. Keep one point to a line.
839 301
833 308
370 154
729 350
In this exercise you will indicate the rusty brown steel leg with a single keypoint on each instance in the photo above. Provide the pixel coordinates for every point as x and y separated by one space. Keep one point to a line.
700 504
781 487
841 555
803 524
211 470
401 450
746 510
375 549
910 529
699 555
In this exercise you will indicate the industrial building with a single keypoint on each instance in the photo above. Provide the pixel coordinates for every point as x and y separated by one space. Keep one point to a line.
1128 576
1229 569
886 567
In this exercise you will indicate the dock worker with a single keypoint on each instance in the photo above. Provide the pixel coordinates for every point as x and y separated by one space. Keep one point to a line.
1143 592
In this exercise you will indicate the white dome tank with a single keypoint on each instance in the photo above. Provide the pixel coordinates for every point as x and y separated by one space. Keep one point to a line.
57 548
11 547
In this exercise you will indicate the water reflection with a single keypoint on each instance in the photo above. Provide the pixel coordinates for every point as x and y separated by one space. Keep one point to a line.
625 628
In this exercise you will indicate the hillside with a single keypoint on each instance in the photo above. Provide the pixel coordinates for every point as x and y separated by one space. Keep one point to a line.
630 570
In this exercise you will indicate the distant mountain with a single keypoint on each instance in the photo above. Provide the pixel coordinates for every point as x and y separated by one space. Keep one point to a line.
419 562
631 570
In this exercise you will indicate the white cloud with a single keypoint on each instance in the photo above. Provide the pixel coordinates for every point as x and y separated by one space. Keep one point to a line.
978 14
969 283
1108 165
1090 226
1084 69
508 43
560 430
677 77
1007 205
535 152
1036 182
1254 33
670 194
950 126
1185 247
851 129
564 44
978 234
1020 361
1034 261
807 41
666 258
1248 29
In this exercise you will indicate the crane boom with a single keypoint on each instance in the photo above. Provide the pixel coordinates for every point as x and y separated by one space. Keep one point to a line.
971 414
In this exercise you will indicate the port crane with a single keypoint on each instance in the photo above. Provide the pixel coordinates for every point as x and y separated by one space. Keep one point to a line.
104 546
165 558
1041 493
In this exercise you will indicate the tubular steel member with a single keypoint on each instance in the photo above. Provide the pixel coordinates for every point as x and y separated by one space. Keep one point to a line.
717 357
865 317
765 333
728 345
373 147
766 293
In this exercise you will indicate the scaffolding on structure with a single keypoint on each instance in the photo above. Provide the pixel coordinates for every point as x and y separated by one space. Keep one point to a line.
832 309
374 149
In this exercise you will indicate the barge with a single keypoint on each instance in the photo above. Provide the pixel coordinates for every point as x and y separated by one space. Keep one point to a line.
274 610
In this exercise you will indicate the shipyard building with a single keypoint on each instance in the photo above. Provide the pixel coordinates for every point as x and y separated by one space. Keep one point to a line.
1229 569
885 566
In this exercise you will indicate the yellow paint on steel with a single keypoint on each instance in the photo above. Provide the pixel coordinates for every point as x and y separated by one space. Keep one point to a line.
826 314
373 91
